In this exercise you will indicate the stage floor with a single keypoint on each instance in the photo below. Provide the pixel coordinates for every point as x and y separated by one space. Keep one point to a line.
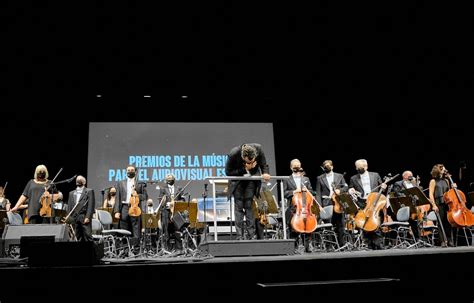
408 274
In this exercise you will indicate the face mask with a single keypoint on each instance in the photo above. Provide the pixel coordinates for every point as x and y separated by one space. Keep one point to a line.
170 182
79 184
131 174
361 170
41 175
112 194
296 169
327 170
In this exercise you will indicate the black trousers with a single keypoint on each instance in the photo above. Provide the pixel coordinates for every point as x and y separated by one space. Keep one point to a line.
83 231
170 233
243 198
131 224
443 214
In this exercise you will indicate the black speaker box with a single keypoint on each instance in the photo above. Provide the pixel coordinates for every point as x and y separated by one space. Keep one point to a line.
44 254
13 233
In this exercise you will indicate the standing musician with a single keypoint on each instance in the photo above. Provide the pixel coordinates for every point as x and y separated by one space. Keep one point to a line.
325 185
34 190
172 193
85 199
4 202
362 184
438 186
295 184
126 190
408 181
246 160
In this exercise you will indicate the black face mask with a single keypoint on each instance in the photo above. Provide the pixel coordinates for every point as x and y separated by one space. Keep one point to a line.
327 170
170 182
41 175
361 170
296 169
79 184
112 194
131 174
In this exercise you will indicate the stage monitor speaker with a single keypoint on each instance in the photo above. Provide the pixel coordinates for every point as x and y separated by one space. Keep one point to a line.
233 248
56 254
27 243
13 233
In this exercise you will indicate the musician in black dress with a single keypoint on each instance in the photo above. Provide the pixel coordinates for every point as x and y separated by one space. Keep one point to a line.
438 186
34 190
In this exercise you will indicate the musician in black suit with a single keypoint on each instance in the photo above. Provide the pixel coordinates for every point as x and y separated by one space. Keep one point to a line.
125 189
170 192
326 185
246 160
82 200
295 184
362 184
398 188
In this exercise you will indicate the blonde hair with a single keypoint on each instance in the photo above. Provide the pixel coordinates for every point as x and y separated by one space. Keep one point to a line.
39 168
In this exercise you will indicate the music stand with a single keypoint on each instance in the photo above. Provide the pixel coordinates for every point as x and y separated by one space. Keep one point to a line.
150 222
350 209
348 205
418 198
398 202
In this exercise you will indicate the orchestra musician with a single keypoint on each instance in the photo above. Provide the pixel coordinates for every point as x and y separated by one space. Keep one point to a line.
109 200
408 181
295 184
4 202
325 185
125 190
362 184
438 186
85 198
172 193
34 190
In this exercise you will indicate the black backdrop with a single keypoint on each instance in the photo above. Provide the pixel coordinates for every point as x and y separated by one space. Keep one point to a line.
388 84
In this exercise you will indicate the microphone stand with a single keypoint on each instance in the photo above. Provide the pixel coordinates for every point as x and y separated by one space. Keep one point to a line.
204 196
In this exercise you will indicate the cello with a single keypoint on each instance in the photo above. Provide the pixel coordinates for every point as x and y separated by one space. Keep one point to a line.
458 214
368 218
303 220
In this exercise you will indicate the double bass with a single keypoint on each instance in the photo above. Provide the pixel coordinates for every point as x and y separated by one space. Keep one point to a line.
458 214
303 220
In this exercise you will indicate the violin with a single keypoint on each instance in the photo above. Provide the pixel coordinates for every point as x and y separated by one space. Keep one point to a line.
134 209
45 201
458 214
303 221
